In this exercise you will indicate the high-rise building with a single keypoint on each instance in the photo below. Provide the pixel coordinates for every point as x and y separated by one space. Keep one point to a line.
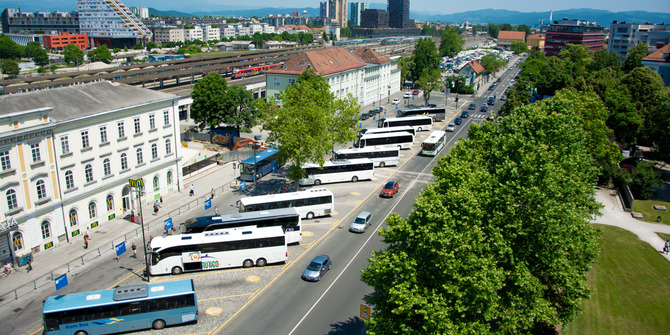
624 36
338 11
355 9
374 18
141 12
567 31
16 21
111 22
399 14
324 9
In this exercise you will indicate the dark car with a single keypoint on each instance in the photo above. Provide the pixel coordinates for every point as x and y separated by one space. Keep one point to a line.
371 113
458 120
465 114
390 189
379 110
317 268
431 105
364 116
472 107
491 101
484 108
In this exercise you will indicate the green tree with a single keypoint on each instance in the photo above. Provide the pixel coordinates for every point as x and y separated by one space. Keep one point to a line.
100 54
525 28
643 84
424 57
492 63
72 55
10 68
493 30
309 123
35 51
430 80
241 111
579 57
209 106
9 49
324 36
634 58
500 243
405 63
451 43
643 179
603 59
518 47
506 27
345 32
657 125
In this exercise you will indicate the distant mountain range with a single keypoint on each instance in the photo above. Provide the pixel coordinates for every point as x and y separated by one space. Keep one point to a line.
602 17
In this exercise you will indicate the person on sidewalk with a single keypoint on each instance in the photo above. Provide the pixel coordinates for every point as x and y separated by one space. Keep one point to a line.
134 248
212 193
161 203
85 241
192 191
156 207
216 210
29 259
667 247
7 269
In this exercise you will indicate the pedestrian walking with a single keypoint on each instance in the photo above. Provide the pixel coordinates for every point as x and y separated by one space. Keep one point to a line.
667 247
212 193
132 216
29 259
192 190
85 241
216 210
156 207
7 269
161 201
134 248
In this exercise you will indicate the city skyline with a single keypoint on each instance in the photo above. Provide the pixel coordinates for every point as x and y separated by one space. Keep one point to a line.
425 6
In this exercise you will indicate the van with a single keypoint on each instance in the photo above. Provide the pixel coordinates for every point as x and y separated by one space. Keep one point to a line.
361 222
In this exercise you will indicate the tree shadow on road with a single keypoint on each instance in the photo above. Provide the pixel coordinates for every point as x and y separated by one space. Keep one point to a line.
353 325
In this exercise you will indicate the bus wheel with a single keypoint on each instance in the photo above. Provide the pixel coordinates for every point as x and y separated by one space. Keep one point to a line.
381 164
81 332
158 324
317 182
310 216
176 270
247 263
354 179
418 129
261 262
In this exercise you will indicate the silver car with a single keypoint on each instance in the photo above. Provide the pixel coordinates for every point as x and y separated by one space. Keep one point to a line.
361 222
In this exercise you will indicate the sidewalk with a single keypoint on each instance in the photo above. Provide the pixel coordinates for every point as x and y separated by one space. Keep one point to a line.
69 257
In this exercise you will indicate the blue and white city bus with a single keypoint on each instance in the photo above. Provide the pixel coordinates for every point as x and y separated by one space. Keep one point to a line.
265 162
121 309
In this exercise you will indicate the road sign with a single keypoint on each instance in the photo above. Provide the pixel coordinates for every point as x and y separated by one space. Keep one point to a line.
243 185
168 224
365 312
120 248
61 282
208 204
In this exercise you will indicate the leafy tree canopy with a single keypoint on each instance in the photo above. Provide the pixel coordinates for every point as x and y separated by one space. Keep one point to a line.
9 49
10 68
451 43
424 57
492 63
634 58
430 80
72 55
518 47
100 54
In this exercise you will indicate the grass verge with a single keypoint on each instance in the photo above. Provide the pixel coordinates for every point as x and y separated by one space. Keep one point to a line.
631 291
646 207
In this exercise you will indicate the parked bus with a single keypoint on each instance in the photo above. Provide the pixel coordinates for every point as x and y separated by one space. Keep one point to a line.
408 129
338 171
437 113
434 143
121 309
217 249
265 162
419 123
379 155
399 140
309 203
286 218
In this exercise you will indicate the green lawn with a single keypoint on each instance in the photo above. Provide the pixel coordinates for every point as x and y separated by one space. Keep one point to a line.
631 290
664 236
646 207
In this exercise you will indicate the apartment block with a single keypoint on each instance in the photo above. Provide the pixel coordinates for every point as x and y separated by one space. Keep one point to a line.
60 41
565 31
624 36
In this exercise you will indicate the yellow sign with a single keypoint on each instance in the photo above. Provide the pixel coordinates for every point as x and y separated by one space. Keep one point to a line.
365 312
136 182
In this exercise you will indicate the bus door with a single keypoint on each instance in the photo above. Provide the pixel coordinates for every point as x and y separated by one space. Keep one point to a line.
191 261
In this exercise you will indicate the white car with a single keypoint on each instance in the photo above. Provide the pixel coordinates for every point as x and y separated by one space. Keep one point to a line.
408 95
395 101
451 127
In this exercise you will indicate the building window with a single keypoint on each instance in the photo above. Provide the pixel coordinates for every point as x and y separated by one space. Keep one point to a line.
103 134
138 129
156 184
11 199
124 161
154 151
122 129
84 139
4 160
276 95
110 202
88 172
35 150
277 82
140 159
107 167
69 179
73 218
41 188
169 178
168 146
92 212
46 230
17 240
166 117
64 145
152 121
291 81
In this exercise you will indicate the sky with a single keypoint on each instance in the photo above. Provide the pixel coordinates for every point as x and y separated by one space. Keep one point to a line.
428 6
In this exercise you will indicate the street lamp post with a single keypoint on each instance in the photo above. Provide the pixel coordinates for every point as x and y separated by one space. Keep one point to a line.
138 184
254 147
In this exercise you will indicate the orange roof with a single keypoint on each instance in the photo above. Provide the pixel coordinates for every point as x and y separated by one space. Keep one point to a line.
537 37
660 55
511 35
370 56
325 62
476 66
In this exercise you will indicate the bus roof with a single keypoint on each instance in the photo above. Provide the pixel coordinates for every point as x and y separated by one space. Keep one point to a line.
285 196
383 135
339 162
388 129
106 297
434 136
205 221
372 148
424 109
220 235
260 156
416 117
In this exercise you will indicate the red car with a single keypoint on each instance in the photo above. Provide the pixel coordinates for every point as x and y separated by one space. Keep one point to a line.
390 189
415 92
